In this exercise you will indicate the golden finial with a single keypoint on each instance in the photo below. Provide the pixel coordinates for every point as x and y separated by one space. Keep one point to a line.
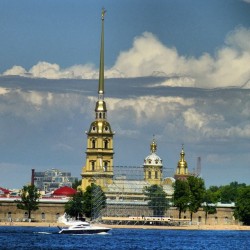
103 13
153 145
182 152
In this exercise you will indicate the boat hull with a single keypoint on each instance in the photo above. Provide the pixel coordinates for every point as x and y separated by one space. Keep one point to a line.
84 231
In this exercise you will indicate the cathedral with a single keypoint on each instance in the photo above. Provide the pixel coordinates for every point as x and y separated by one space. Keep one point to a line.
99 168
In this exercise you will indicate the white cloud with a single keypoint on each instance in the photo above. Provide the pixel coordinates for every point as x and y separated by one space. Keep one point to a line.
148 56
4 91
229 66
146 108
15 70
176 82
213 126
247 1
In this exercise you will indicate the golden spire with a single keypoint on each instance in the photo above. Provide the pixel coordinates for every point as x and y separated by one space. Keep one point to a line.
101 69
100 104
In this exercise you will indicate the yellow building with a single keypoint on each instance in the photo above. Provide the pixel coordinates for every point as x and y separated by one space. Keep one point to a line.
153 166
99 155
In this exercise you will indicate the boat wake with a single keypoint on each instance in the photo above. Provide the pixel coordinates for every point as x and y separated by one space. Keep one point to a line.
43 233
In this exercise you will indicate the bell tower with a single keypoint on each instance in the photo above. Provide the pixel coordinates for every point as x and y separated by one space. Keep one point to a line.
182 167
98 168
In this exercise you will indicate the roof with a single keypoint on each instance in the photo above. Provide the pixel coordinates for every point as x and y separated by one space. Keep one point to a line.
64 191
4 191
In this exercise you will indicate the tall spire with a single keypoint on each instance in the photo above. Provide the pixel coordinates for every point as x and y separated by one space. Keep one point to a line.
100 104
101 69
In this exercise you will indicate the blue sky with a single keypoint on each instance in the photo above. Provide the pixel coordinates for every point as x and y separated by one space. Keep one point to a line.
66 32
177 69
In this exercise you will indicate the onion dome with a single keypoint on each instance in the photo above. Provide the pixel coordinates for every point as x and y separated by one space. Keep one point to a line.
153 159
182 164
64 191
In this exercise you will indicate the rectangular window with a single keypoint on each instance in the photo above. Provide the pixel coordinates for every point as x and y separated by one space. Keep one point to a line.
156 175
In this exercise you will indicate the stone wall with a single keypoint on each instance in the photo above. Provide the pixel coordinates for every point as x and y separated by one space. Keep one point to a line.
47 212
224 215
50 211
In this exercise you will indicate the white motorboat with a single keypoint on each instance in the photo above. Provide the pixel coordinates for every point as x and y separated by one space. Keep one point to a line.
79 227
83 227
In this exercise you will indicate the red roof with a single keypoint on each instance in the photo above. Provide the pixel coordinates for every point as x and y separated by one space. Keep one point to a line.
64 191
5 191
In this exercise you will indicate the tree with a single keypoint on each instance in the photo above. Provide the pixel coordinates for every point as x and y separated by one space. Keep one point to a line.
157 200
197 190
94 201
209 201
229 193
242 206
29 199
74 207
181 196
76 184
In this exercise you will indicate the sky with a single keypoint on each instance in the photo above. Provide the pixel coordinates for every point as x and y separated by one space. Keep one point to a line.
177 70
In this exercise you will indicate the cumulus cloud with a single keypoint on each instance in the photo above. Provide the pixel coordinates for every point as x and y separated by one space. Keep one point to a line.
149 56
15 70
228 67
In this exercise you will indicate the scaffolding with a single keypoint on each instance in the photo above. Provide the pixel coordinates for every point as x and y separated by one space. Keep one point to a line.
125 196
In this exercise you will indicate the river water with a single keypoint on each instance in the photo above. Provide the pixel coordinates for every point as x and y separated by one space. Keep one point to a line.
152 239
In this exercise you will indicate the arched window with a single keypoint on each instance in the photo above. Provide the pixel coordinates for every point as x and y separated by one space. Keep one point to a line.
57 216
93 143
149 174
106 143
26 215
43 216
226 219
105 167
216 219
199 219
100 115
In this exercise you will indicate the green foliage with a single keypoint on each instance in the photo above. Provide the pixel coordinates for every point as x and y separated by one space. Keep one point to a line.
157 200
234 192
242 210
197 191
181 195
88 203
94 201
209 200
229 192
29 199
216 193
74 207
76 184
